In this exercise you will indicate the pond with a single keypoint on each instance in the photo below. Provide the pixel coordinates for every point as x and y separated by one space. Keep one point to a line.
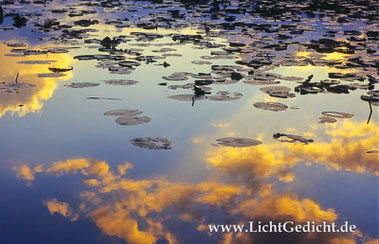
149 121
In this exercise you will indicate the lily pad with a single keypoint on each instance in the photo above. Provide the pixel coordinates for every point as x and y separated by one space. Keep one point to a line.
128 120
36 62
278 91
186 97
121 82
123 112
82 84
291 138
225 96
201 62
50 75
238 142
272 106
261 82
327 119
337 114
152 143
103 98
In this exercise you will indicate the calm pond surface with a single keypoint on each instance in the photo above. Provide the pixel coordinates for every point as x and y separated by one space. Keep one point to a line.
147 121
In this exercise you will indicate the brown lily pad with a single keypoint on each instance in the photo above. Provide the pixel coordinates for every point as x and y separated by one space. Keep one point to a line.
82 84
225 96
152 143
119 82
238 142
338 114
272 106
292 138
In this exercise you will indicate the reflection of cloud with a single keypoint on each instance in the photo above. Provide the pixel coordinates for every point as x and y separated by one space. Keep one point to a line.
31 98
137 210
57 207
346 151
24 172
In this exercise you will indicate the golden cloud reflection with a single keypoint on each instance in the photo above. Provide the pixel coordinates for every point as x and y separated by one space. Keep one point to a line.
29 100
346 150
138 211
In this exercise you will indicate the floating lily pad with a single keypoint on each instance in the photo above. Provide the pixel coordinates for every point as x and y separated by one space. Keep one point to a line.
123 112
337 114
272 106
327 119
261 82
291 138
201 62
152 143
103 98
278 91
121 82
50 75
225 96
19 85
176 77
128 120
238 142
187 97
36 62
82 84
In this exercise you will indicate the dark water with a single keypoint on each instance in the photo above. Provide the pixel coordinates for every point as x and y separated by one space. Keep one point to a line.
277 128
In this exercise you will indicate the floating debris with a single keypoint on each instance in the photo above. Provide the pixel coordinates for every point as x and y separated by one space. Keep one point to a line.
152 143
291 138
272 106
82 84
238 142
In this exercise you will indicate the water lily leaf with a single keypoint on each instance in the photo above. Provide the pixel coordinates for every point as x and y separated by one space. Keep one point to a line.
201 62
186 97
327 119
36 62
278 91
128 120
82 84
291 138
50 75
123 112
225 96
238 142
152 143
272 106
103 98
337 114
19 85
261 82
121 82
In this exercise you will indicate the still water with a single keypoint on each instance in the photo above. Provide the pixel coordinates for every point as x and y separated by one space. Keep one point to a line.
105 138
